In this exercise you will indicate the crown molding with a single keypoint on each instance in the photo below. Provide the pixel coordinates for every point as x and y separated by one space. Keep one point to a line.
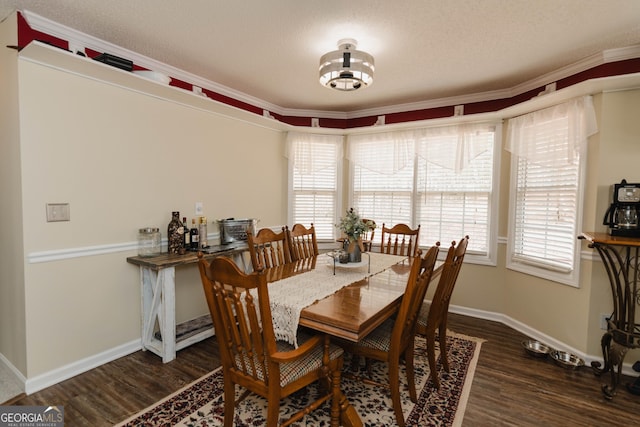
79 41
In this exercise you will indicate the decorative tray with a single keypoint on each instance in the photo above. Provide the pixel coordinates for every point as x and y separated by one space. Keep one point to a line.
331 263
334 261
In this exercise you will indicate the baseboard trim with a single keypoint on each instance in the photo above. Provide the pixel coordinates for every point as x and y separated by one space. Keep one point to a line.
535 334
20 379
55 376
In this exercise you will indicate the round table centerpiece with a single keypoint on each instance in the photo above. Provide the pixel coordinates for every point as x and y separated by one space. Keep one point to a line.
353 227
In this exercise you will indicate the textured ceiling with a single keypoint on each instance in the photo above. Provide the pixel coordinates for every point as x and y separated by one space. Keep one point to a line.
424 49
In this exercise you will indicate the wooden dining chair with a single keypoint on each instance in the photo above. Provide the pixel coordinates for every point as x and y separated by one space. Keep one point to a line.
393 340
268 249
433 316
400 240
251 356
302 242
369 234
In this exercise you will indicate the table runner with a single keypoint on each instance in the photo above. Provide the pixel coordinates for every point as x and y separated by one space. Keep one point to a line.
288 297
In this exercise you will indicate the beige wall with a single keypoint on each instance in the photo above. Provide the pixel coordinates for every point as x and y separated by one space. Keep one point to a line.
617 158
124 159
12 299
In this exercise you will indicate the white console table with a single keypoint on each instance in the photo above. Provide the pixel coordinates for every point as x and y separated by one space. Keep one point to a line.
158 292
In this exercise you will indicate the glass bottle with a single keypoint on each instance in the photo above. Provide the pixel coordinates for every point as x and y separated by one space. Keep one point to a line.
195 238
174 238
186 234
202 231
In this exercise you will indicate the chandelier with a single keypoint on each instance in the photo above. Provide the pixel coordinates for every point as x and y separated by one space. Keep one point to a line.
346 68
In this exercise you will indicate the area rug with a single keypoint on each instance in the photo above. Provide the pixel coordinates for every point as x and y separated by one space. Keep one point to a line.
201 402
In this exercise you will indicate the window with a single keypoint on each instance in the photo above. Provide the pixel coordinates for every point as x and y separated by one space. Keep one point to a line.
441 178
548 148
314 180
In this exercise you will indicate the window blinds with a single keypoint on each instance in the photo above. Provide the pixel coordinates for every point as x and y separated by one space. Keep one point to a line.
314 164
548 146
440 178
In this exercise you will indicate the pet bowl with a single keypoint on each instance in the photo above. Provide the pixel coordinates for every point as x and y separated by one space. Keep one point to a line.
536 348
566 360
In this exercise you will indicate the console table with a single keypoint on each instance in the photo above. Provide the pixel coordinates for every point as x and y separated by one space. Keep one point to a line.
621 258
157 284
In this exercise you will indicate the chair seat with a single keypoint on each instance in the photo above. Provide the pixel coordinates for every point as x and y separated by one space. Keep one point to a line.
380 337
291 371
423 314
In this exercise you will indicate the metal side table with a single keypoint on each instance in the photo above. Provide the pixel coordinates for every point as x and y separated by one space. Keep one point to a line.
621 259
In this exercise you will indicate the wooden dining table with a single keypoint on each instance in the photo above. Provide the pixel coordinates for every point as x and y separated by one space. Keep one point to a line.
352 311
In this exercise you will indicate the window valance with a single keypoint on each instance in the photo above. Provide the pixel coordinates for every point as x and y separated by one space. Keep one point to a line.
301 149
451 147
531 136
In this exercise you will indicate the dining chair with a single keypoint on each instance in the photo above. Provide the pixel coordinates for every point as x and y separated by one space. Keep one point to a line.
400 240
252 357
268 249
302 242
433 316
393 340
367 237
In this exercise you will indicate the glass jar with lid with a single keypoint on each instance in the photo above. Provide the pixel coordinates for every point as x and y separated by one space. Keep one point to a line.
149 242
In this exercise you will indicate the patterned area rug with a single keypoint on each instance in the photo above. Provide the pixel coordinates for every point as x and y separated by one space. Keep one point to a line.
201 402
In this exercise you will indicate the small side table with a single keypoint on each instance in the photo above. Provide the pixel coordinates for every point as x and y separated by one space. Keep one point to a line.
621 259
158 289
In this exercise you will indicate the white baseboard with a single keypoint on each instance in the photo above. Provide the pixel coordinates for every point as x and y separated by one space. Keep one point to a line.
536 335
12 370
55 376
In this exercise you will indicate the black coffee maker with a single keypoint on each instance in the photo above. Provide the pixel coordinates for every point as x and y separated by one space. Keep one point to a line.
624 213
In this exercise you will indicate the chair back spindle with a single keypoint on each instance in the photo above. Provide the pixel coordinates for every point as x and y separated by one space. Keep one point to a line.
400 240
302 242
269 249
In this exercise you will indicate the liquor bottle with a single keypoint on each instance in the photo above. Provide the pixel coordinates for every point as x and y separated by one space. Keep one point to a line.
174 238
187 234
195 238
203 232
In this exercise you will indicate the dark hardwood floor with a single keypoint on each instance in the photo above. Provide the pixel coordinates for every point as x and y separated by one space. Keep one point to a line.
510 388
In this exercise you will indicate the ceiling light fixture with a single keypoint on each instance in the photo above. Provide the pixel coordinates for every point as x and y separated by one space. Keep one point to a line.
346 68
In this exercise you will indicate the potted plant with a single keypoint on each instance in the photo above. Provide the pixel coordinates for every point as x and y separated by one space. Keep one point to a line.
353 227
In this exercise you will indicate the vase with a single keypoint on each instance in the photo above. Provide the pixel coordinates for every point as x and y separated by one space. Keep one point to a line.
356 254
354 249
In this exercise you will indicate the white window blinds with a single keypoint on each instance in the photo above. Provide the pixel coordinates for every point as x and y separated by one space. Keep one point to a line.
454 186
314 164
440 178
546 187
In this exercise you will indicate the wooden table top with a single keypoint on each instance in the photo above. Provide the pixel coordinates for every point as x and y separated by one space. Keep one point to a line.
165 260
355 310
607 239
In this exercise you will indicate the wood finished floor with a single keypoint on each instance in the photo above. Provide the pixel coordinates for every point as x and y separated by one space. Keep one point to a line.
510 388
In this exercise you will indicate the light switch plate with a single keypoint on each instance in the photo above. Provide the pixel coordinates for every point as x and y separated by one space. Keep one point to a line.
58 212
199 208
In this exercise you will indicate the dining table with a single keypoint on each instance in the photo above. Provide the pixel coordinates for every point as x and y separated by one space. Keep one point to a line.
342 300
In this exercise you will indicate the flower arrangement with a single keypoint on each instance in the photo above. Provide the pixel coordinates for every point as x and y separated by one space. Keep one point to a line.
353 226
